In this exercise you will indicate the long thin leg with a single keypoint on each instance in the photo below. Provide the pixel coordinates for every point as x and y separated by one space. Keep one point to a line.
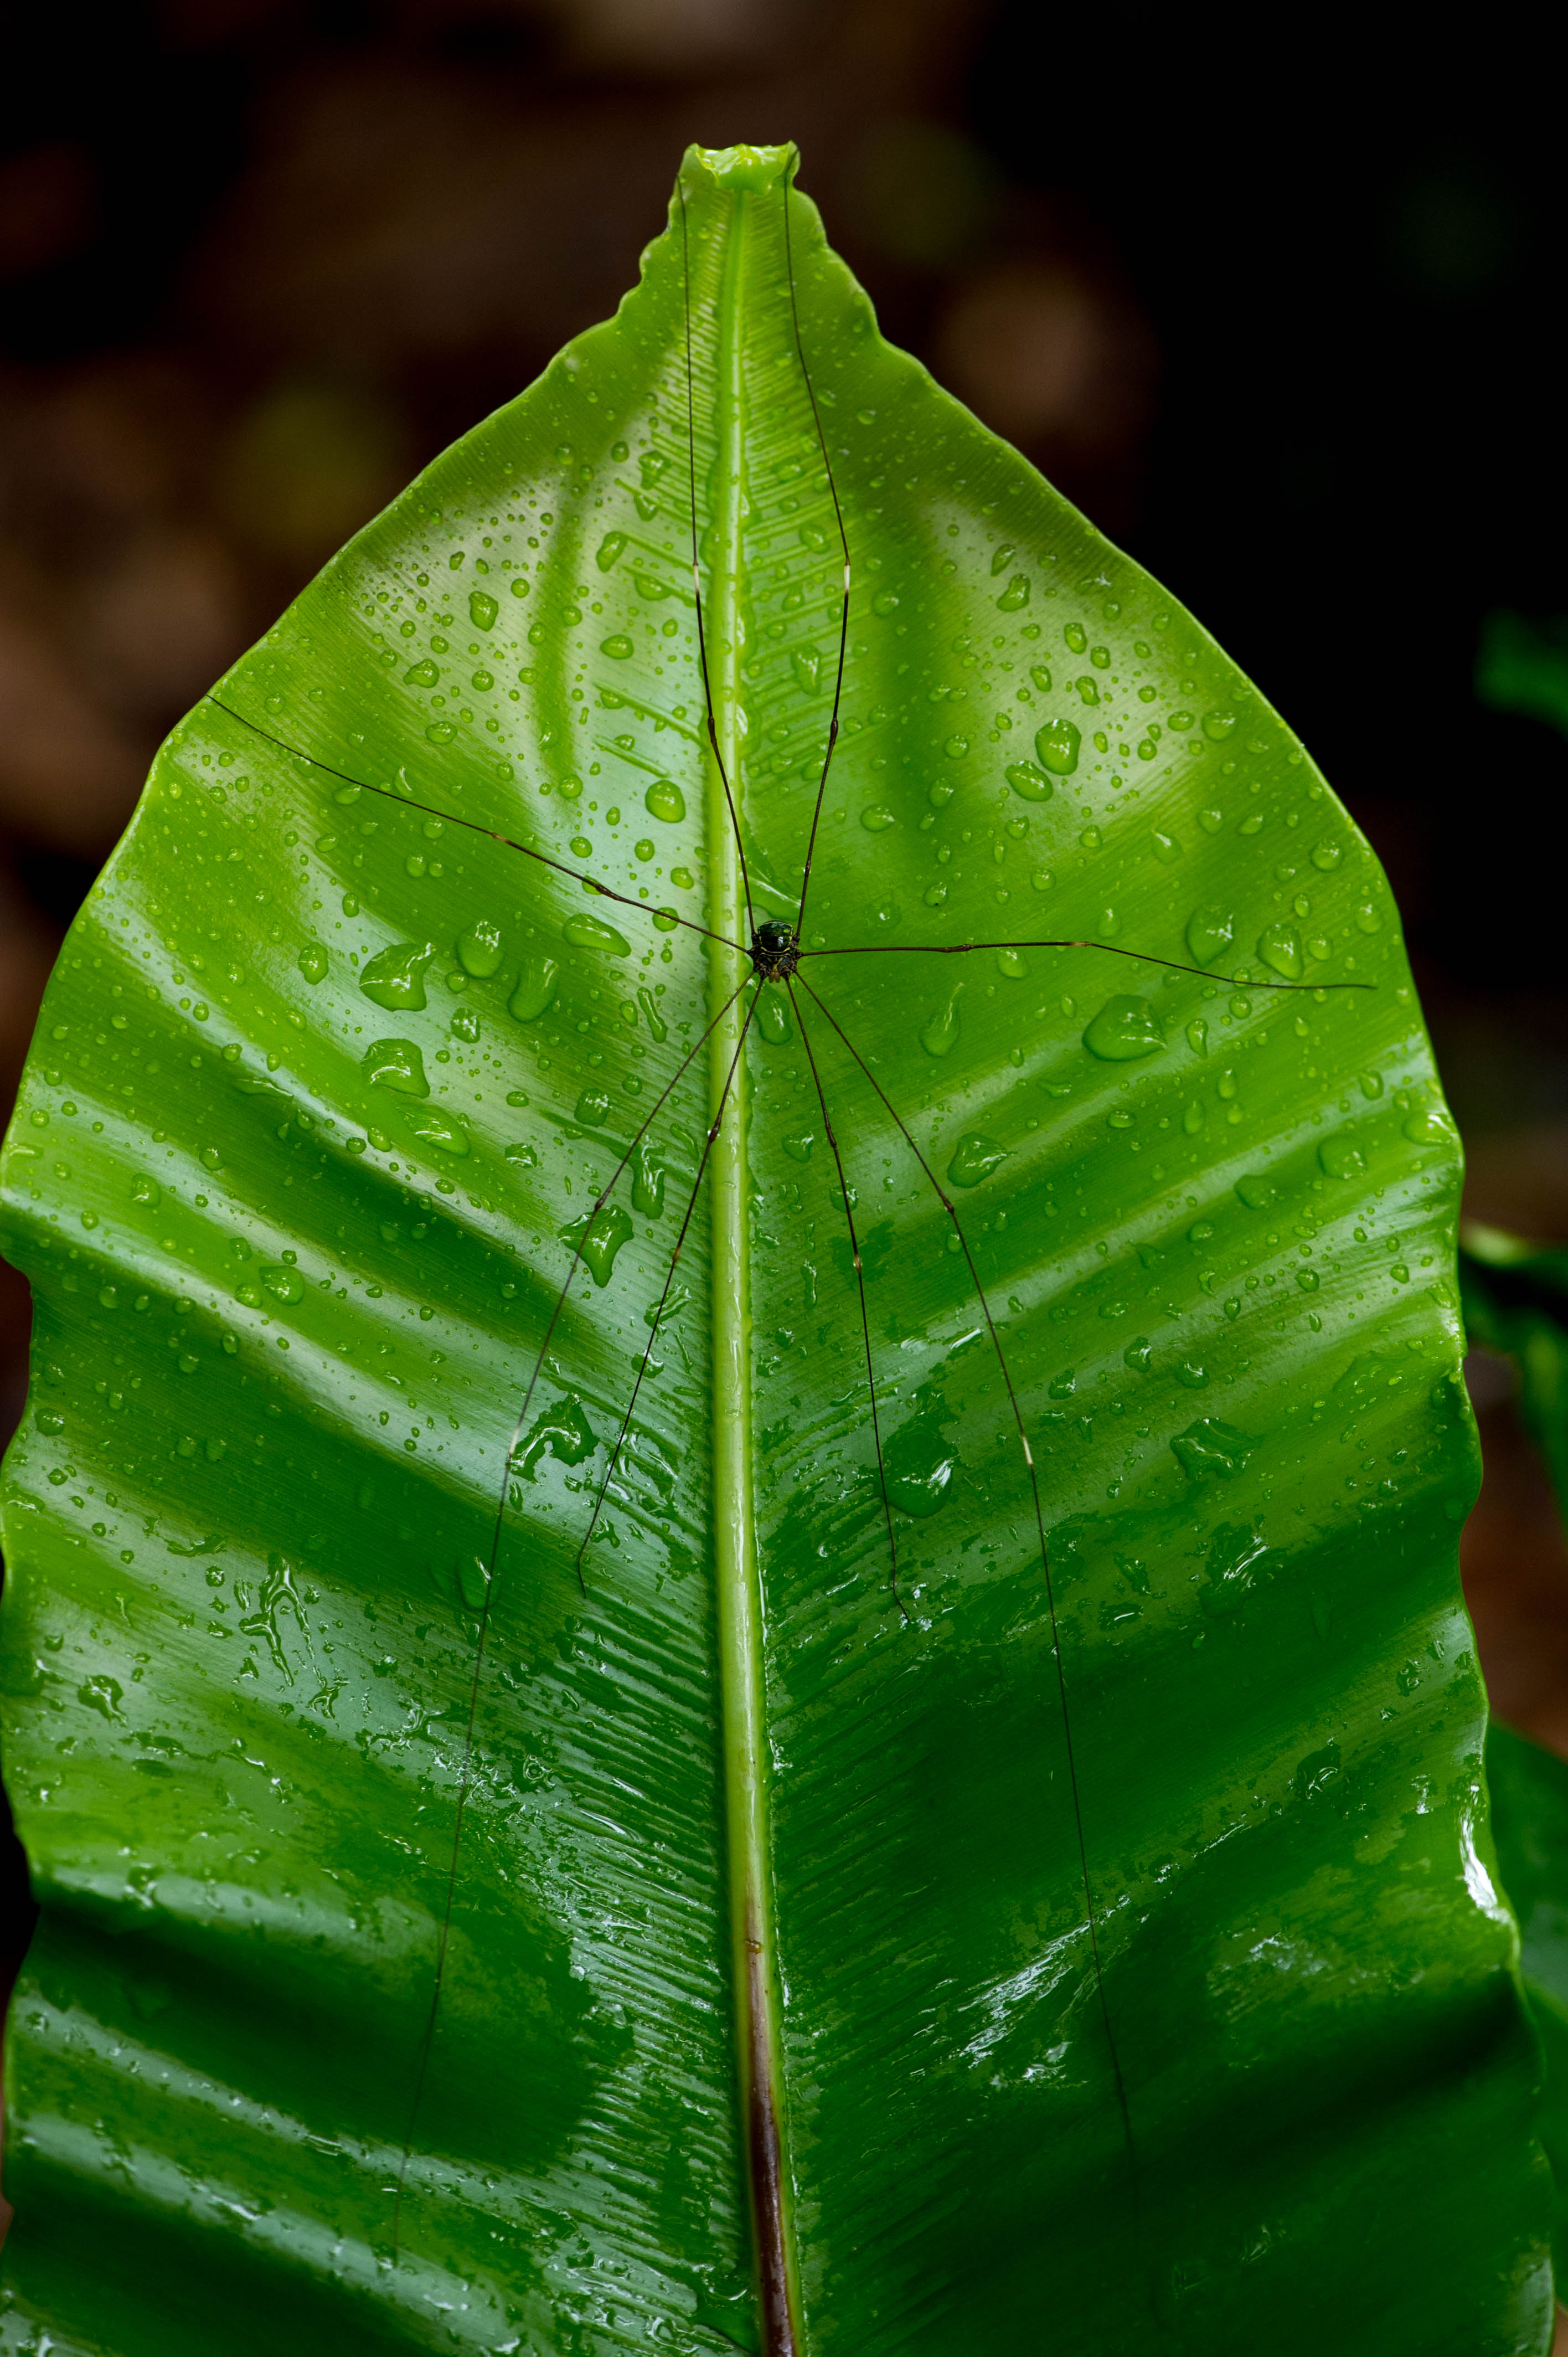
714 1127
407 802
947 1204
860 1280
466 1775
844 544
696 576
1143 957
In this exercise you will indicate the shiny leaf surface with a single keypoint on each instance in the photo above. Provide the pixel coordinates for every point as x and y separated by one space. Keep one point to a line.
1001 1871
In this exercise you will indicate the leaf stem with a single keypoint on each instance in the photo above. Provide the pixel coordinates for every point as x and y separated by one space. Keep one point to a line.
738 1584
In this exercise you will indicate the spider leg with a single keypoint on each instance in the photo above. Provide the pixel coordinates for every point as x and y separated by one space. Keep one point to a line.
844 544
696 574
714 1129
1091 1911
860 1282
508 843
466 1775
1112 949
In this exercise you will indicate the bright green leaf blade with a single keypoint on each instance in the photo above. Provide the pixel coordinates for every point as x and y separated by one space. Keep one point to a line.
1205 2029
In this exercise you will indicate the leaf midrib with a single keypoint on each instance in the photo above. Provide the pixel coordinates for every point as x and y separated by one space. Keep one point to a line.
737 1588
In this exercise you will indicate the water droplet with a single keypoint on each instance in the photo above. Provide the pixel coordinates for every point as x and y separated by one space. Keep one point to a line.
314 962
1326 855
941 1034
473 1582
586 932
479 949
1015 596
1430 1126
1029 782
1340 1156
284 1283
1280 947
806 662
616 645
1166 847
1193 1118
1256 1190
1012 963
1210 933
593 1107
877 818
536 987
974 1158
1076 637
1125 1028
564 1430
1001 559
648 1181
657 1027
599 1237
482 610
609 548
423 674
146 1190
773 1018
433 1128
1197 1035
956 748
798 1149
1307 1279
1057 744
395 1064
664 799
885 602
394 977
1217 726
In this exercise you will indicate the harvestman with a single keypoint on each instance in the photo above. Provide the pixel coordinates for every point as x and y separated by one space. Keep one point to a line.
776 956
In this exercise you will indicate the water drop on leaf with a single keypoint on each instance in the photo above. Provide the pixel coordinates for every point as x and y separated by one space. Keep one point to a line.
1125 1028
394 977
535 991
974 1158
1210 933
586 932
396 1064
1057 745
664 799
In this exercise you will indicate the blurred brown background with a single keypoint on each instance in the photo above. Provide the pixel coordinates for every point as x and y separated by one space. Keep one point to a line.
1285 325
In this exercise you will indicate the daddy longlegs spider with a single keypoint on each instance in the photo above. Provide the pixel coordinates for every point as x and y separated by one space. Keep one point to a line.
779 956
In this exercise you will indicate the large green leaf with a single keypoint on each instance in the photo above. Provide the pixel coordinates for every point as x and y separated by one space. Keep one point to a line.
1083 1940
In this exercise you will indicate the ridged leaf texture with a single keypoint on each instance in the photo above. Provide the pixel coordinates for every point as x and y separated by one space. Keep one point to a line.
557 1829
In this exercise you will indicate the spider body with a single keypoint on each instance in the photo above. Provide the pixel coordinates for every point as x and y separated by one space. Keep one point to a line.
775 950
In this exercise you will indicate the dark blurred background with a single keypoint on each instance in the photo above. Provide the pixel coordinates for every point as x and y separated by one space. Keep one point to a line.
1285 320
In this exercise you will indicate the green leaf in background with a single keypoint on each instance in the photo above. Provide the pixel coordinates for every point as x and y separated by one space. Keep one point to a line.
1521 666
653 1916
1516 1304
1530 1823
